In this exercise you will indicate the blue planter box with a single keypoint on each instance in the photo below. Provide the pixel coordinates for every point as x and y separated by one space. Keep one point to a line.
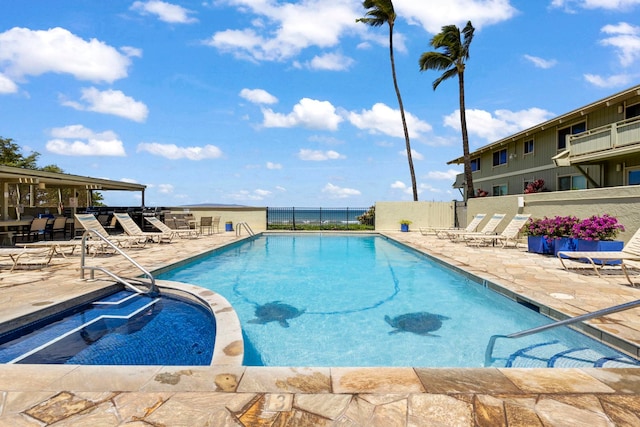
540 245
565 244
404 227
228 227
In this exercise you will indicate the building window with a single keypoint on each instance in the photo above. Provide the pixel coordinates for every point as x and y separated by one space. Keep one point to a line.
528 146
500 190
633 176
571 130
572 182
632 111
475 164
500 157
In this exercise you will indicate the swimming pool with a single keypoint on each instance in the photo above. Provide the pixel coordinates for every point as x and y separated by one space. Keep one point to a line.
122 328
363 300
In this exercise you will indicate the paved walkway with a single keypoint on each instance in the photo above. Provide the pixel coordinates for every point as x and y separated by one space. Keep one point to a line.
61 395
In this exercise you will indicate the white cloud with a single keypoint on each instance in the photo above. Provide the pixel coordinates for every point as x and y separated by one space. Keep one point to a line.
386 120
480 12
77 140
258 96
32 53
244 195
7 85
414 154
309 113
339 192
129 180
502 123
616 80
596 4
625 38
330 62
448 175
166 12
284 29
540 62
165 188
173 152
110 102
319 156
273 166
398 185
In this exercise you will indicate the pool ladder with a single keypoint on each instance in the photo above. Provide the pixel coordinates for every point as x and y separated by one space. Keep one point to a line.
151 283
246 226
488 354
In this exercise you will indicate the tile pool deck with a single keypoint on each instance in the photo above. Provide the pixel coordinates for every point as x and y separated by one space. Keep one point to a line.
226 395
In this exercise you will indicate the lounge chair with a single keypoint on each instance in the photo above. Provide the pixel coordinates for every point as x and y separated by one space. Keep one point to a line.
89 222
508 235
27 256
489 228
441 233
164 228
630 252
132 229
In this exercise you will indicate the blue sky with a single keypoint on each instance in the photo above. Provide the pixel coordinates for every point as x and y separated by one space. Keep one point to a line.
291 103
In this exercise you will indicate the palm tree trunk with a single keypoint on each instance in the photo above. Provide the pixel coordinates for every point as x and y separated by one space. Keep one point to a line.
414 185
468 175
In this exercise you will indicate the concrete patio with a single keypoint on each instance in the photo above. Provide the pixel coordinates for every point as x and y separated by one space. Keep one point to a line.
229 395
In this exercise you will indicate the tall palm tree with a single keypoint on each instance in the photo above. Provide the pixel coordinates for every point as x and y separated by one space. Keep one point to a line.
452 60
378 13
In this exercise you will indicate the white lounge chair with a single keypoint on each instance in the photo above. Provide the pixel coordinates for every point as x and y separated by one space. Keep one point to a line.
89 222
164 228
489 228
441 233
132 229
27 256
630 252
508 235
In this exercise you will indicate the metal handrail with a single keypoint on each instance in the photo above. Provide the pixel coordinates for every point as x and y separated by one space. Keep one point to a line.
488 354
153 289
246 227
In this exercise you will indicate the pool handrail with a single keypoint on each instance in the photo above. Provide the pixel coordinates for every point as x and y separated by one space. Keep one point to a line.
246 227
153 288
488 354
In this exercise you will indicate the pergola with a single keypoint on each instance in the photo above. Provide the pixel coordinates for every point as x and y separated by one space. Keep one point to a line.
50 180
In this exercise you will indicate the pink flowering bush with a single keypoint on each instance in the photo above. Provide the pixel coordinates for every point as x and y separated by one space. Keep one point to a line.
551 228
597 227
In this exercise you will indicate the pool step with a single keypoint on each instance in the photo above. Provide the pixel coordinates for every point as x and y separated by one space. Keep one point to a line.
554 355
88 324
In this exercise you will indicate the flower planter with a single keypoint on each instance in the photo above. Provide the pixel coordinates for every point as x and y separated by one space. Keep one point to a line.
404 227
540 245
228 226
564 244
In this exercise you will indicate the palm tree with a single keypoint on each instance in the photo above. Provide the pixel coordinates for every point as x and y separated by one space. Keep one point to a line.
378 13
452 60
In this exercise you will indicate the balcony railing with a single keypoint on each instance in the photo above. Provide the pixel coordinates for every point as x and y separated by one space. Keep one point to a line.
612 139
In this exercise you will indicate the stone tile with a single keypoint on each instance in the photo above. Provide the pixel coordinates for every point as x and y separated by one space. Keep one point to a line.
59 407
358 413
105 378
101 415
329 406
556 413
622 410
469 380
555 381
521 413
199 409
439 410
19 401
291 380
32 377
136 406
621 380
489 411
374 380
195 378
390 414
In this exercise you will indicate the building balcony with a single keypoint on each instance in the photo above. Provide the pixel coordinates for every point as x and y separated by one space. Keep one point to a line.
606 142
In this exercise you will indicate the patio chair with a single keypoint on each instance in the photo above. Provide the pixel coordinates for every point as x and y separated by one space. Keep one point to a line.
33 233
441 232
206 223
216 224
89 222
508 235
59 226
630 252
164 228
132 229
488 229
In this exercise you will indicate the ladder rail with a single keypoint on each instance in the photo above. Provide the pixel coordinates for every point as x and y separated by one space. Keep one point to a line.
246 226
153 288
488 355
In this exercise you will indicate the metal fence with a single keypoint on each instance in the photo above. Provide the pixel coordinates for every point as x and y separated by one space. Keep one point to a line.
320 219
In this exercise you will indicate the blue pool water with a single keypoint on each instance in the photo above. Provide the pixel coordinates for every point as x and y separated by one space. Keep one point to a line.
354 300
121 329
